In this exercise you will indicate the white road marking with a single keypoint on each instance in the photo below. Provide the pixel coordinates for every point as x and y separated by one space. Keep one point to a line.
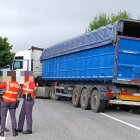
2 138
138 128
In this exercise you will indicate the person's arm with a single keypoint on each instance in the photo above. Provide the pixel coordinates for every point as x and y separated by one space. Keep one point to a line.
2 85
34 88
20 91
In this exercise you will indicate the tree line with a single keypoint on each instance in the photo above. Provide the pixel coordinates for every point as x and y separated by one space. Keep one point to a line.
103 19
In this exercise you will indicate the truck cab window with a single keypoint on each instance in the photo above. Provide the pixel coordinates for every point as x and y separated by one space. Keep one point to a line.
17 65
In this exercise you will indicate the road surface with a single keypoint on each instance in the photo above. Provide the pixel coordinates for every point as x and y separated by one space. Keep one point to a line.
59 120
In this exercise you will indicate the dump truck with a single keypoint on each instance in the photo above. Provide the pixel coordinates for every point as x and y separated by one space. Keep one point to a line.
96 69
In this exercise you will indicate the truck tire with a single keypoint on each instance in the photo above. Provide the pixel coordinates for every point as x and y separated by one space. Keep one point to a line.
76 97
42 82
136 110
84 99
96 104
52 94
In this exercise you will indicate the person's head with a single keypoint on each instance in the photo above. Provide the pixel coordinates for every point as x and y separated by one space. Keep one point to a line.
28 76
11 76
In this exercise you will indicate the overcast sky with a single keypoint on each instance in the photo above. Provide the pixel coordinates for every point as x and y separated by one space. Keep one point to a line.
42 23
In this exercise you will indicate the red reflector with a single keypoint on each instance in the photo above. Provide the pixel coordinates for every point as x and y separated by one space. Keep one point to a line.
135 81
109 94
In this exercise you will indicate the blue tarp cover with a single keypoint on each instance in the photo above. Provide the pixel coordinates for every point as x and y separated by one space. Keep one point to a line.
102 36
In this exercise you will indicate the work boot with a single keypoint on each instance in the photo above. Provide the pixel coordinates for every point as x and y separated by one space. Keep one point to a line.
6 130
15 133
2 133
27 132
19 130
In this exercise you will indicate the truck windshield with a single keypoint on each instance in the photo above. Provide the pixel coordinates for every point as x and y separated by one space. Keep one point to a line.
18 64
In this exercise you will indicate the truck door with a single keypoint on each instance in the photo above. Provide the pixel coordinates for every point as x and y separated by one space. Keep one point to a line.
19 65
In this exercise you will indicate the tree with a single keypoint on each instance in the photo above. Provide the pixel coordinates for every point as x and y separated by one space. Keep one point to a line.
6 56
120 15
103 19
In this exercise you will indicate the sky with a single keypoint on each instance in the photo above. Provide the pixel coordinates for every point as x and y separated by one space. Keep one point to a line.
42 23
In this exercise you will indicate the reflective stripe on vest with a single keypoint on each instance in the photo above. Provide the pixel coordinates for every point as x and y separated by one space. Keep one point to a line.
12 99
26 88
11 92
12 85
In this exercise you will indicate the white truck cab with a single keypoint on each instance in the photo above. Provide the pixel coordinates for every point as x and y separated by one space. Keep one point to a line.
27 60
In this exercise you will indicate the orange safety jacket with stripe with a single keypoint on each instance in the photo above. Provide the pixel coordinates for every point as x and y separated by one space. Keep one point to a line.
29 88
11 92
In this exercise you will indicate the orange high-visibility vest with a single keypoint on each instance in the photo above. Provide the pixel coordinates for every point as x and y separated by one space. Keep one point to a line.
11 92
26 89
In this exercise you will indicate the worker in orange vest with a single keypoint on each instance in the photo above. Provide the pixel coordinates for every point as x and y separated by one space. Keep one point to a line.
29 94
9 97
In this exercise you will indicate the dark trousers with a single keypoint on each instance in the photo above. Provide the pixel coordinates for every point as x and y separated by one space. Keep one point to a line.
4 109
26 110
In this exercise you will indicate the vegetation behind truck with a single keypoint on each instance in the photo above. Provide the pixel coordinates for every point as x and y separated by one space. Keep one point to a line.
96 69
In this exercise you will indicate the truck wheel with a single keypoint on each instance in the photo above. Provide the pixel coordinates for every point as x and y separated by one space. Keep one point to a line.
84 99
52 94
136 110
96 104
76 97
42 82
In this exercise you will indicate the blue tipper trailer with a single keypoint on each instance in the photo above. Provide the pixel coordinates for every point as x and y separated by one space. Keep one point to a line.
97 69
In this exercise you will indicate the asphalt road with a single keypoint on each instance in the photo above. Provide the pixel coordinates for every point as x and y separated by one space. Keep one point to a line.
59 120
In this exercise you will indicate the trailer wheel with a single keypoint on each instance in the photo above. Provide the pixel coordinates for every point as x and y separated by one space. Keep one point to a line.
136 110
42 82
52 94
96 104
84 99
76 97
